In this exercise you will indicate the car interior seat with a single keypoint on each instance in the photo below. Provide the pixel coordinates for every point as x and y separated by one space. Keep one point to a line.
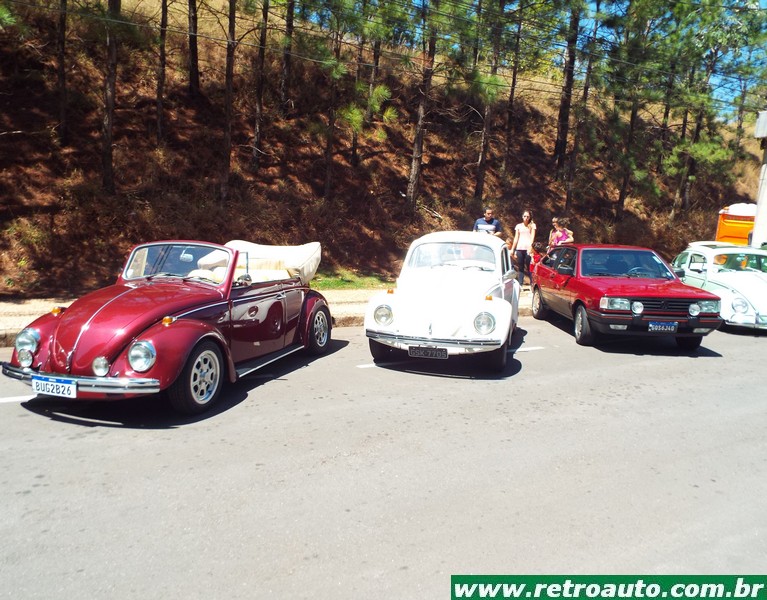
616 265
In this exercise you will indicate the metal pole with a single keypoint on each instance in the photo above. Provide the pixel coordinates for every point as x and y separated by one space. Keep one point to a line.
759 236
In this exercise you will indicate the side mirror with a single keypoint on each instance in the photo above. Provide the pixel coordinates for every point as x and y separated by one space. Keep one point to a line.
566 270
244 279
679 273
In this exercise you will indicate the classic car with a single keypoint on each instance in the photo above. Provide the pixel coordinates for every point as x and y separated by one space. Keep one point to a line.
621 290
737 274
183 317
456 294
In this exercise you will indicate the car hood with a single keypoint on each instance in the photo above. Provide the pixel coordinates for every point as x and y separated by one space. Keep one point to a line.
650 288
103 322
751 285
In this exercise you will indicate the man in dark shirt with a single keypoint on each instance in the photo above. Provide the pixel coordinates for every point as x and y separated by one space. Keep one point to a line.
488 223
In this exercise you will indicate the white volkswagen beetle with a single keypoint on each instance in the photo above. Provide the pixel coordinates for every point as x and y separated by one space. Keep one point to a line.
737 274
457 293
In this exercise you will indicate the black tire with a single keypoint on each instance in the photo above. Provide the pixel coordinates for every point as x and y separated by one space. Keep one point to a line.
198 386
540 311
497 358
319 331
584 335
379 351
689 343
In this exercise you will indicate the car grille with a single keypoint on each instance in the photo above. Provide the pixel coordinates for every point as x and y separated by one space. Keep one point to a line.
665 305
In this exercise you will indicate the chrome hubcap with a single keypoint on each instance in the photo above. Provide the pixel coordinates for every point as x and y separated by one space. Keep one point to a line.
205 376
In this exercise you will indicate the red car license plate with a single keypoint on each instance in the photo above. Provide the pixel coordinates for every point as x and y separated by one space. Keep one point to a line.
663 326
420 352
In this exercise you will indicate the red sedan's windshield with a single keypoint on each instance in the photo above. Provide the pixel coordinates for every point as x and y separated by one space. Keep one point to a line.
622 262
177 260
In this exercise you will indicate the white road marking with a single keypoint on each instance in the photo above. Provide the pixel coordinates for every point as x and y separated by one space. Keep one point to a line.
527 349
17 399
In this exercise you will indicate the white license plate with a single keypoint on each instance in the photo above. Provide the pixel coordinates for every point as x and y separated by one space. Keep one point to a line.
663 326
419 352
54 386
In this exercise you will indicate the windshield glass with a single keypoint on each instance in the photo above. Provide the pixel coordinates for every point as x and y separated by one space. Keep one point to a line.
618 262
192 261
741 261
452 254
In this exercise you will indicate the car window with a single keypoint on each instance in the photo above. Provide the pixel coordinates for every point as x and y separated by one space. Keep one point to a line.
697 262
174 260
681 260
618 262
551 259
445 254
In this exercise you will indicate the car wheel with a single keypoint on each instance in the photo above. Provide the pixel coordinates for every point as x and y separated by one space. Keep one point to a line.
689 343
582 328
319 334
379 351
539 308
497 358
200 382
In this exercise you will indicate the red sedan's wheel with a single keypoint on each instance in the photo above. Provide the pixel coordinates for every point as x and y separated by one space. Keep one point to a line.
582 328
319 333
199 384
539 308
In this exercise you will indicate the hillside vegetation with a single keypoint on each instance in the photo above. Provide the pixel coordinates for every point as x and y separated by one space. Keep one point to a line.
63 234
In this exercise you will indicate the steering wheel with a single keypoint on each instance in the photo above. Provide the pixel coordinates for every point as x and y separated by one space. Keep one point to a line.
639 271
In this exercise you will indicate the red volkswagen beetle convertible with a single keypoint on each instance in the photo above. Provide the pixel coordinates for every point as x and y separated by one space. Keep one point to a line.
183 317
621 290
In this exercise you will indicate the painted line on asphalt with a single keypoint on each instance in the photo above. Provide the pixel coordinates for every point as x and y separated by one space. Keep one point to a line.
17 399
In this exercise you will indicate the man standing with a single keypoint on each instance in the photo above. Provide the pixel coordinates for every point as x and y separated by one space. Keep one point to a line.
488 223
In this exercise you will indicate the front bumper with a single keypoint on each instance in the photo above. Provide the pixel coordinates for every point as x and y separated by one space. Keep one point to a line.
453 345
109 387
626 324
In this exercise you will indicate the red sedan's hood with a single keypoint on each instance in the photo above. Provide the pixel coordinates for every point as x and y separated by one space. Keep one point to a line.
103 322
649 288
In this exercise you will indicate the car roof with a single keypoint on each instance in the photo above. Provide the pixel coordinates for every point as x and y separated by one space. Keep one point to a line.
461 237
606 247
719 247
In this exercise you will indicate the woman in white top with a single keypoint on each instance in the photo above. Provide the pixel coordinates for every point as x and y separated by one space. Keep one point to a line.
524 238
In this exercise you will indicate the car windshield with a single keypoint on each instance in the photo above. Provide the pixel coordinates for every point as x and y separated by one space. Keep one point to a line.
452 254
618 262
190 261
741 261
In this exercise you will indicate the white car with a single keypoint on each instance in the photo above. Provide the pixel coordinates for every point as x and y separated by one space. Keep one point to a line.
457 293
737 274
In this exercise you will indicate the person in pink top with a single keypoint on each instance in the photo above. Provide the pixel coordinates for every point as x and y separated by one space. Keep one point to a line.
559 234
521 247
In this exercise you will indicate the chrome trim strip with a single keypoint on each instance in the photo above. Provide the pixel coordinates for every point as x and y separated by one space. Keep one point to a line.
97 385
426 341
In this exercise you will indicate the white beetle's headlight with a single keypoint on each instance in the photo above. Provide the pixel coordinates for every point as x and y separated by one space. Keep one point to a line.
739 304
606 303
142 356
100 366
484 323
383 315
28 339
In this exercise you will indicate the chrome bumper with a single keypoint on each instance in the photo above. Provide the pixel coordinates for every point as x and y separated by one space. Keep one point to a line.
407 340
119 386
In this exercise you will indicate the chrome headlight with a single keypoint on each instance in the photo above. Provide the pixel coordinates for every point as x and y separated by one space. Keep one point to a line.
29 340
709 306
141 356
694 309
100 366
606 303
637 307
739 304
484 323
383 315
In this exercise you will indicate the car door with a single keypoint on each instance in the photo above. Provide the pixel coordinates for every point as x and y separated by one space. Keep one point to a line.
696 271
258 320
550 282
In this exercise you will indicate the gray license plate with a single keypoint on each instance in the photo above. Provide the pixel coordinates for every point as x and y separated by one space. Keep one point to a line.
420 352
663 326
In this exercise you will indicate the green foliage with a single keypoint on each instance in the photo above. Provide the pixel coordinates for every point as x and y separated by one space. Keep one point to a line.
7 18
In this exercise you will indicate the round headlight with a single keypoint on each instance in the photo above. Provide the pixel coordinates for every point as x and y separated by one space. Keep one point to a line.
100 366
383 315
739 305
637 307
141 356
25 358
694 309
484 323
28 339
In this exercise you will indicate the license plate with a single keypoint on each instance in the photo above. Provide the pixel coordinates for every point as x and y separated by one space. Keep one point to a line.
663 326
54 386
419 352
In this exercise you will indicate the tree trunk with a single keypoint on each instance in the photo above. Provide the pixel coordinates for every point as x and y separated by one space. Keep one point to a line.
330 138
373 78
286 55
260 76
231 46
161 72
627 154
61 38
194 65
565 102
506 168
110 82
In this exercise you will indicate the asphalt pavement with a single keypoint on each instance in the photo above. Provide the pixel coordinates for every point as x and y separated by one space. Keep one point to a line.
347 308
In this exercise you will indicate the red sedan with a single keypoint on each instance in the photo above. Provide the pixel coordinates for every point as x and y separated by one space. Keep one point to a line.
621 290
183 317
